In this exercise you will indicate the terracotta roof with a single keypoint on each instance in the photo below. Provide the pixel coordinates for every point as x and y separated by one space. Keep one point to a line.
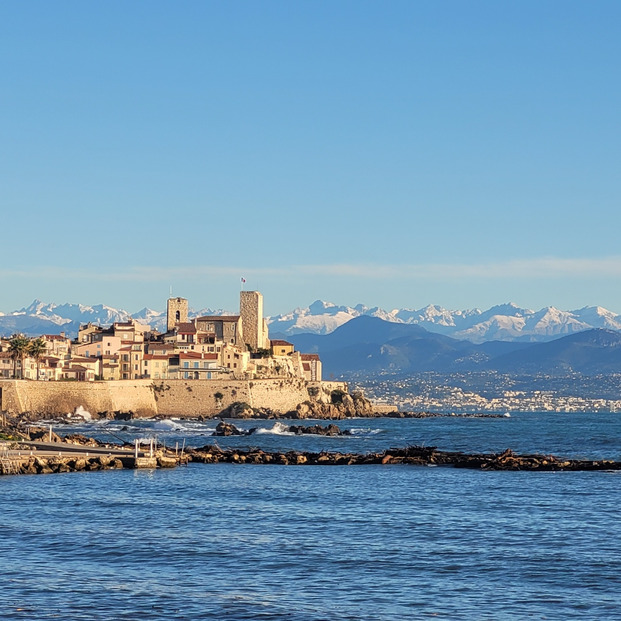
187 328
195 355
306 366
281 343
310 356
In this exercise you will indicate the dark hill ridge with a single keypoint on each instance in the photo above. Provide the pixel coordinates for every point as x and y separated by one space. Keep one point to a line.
372 344
590 352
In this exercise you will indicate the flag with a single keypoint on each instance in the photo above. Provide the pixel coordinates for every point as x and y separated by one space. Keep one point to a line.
243 280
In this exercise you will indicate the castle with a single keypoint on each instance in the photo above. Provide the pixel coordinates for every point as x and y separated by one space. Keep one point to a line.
201 348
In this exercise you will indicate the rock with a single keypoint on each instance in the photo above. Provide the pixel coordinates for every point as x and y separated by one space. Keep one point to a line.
238 409
166 462
43 435
227 429
329 430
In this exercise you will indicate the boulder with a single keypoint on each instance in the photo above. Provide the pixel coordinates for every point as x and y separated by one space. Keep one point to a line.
227 429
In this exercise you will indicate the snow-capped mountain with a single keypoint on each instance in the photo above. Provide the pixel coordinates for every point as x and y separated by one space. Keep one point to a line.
506 322
44 318
66 313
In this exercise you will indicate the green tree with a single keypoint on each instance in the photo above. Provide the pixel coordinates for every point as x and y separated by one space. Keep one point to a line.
36 349
18 347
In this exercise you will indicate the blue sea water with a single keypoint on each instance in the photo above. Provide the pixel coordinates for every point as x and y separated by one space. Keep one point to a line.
323 543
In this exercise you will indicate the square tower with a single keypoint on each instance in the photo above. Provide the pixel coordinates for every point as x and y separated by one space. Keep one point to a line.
176 312
253 326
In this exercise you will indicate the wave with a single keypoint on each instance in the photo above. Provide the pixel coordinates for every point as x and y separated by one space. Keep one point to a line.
168 425
279 429
361 431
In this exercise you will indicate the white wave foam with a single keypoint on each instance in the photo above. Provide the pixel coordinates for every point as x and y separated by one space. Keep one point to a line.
168 425
278 429
81 412
361 431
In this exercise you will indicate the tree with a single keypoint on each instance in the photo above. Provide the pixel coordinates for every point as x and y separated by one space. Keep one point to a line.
36 349
18 347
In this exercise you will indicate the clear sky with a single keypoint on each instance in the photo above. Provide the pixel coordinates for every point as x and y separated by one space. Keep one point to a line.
395 153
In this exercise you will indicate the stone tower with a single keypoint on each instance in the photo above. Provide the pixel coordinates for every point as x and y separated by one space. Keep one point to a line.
254 327
176 312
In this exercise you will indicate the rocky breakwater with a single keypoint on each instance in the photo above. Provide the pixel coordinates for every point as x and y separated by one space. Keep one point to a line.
413 455
228 429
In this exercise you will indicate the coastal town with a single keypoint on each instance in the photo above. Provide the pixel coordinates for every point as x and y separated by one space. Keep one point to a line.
200 348
491 392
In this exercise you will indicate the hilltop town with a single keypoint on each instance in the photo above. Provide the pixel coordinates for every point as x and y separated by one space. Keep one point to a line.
203 348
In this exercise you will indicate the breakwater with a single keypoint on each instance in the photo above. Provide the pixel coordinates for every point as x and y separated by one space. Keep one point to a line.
412 455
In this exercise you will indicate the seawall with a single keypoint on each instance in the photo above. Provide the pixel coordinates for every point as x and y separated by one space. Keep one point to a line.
147 398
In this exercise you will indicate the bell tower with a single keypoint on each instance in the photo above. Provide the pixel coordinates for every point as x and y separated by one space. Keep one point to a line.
176 312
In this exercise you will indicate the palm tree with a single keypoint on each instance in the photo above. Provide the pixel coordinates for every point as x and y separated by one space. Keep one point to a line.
18 346
36 349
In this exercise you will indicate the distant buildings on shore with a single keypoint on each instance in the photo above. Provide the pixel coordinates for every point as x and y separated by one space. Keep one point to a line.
209 347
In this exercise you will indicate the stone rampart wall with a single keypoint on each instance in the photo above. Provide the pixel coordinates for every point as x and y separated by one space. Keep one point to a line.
48 398
193 398
152 397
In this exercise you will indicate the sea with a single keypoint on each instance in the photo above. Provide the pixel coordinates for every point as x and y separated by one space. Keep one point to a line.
311 543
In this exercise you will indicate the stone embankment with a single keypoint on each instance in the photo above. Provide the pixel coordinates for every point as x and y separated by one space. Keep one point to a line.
413 455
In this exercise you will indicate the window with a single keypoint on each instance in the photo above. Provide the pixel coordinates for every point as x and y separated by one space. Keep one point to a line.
186 365
196 365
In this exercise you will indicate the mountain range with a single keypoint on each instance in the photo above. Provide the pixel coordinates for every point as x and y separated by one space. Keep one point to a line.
505 338
372 345
506 322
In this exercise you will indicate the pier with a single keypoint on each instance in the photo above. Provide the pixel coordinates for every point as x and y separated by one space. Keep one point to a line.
35 457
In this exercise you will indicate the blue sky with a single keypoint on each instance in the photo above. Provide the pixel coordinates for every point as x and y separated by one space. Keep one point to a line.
393 153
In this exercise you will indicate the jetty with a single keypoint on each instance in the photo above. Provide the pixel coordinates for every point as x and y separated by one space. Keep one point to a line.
36 457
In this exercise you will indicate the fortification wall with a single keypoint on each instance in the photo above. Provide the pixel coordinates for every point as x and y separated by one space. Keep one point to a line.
48 398
198 397
149 398
207 398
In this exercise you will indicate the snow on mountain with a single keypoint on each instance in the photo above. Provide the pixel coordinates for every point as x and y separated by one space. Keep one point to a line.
505 322
66 313
598 317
